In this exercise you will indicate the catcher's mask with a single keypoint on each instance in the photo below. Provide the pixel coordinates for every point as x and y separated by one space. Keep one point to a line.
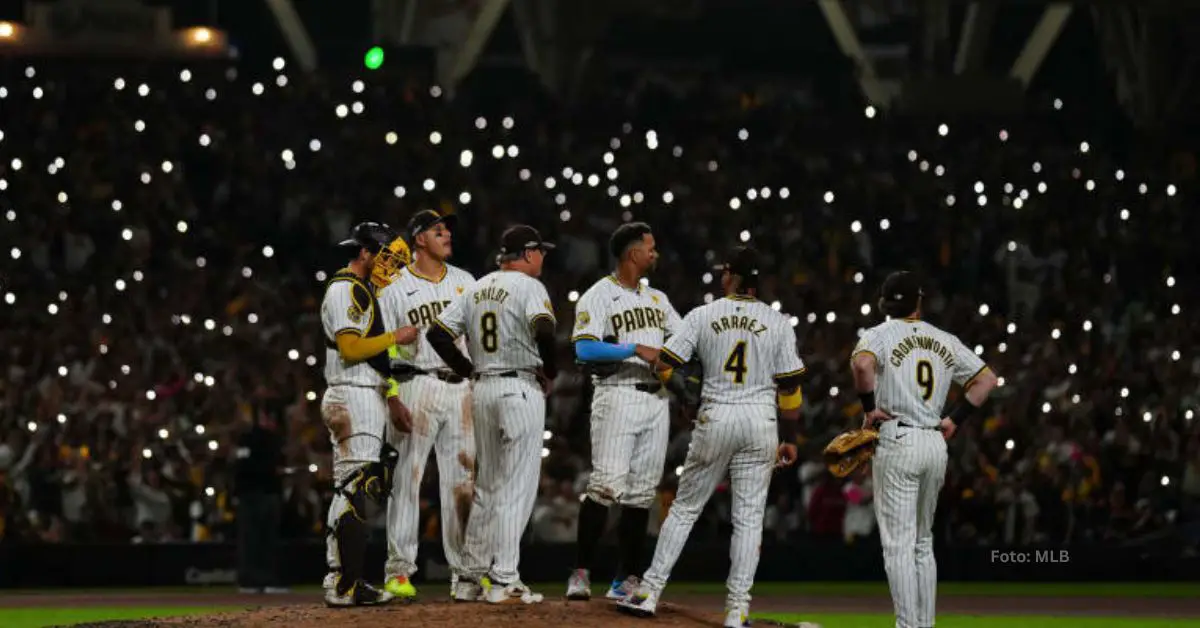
389 260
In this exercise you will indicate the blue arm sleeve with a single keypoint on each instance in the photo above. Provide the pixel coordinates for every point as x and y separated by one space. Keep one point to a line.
597 351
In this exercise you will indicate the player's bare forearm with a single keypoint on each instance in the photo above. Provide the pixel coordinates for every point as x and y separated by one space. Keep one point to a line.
443 344
863 368
981 387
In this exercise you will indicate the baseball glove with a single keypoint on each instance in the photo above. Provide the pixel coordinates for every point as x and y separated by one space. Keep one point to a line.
850 450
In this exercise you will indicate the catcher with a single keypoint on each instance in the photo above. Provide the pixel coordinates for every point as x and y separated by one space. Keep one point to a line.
358 404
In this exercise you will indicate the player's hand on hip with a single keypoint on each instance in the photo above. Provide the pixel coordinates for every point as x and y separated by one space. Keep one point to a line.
649 354
948 428
874 418
406 335
785 455
401 418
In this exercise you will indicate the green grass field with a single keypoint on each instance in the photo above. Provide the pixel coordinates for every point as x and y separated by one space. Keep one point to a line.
50 614
991 621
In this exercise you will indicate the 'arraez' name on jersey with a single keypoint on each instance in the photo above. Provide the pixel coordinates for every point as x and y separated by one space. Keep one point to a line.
745 347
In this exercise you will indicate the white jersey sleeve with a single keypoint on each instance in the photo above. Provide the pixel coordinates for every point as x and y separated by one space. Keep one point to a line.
682 344
454 318
342 312
967 365
537 302
591 317
787 357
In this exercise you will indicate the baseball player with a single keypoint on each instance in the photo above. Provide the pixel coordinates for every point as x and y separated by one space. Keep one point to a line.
630 418
438 400
354 408
509 323
902 372
746 426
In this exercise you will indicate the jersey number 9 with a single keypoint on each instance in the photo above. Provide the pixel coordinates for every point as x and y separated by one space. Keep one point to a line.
736 362
925 378
487 332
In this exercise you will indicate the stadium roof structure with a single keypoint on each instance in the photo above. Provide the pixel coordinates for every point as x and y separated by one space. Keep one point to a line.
904 55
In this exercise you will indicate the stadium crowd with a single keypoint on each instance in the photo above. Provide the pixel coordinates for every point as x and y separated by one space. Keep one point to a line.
165 232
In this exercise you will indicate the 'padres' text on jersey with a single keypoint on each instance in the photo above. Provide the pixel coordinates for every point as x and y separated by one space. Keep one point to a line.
915 363
413 299
349 307
744 347
497 314
643 316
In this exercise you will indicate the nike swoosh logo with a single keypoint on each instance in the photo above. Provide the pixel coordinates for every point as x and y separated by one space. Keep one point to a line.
616 298
412 293
899 436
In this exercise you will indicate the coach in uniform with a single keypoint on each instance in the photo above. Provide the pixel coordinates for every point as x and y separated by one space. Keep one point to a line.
509 323
354 408
620 326
439 400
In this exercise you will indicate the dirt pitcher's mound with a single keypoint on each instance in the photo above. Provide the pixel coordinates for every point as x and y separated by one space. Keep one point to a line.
557 613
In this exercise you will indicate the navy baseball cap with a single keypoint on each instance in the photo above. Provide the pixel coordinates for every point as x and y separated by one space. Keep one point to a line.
742 261
426 219
521 238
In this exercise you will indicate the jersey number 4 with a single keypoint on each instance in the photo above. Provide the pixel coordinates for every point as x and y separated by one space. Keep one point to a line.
925 378
736 362
488 332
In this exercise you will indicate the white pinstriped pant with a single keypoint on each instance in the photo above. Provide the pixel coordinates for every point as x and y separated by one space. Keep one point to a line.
629 434
442 421
742 440
362 412
909 470
510 417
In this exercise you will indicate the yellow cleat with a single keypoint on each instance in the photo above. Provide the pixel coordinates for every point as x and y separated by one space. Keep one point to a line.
400 587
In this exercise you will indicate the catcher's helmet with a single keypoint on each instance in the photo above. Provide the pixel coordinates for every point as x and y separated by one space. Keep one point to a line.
370 235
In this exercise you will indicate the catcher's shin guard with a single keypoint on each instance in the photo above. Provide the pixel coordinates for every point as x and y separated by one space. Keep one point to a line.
348 527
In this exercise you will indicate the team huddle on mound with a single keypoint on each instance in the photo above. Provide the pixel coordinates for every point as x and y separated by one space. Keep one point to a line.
422 356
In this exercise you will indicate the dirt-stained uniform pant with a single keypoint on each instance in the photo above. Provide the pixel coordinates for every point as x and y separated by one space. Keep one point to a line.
356 417
442 422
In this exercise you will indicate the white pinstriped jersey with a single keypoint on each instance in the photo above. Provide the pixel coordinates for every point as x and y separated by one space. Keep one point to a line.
744 347
644 316
914 364
497 314
341 313
413 299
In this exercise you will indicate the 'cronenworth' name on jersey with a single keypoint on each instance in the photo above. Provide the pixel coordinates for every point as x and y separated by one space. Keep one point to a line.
915 363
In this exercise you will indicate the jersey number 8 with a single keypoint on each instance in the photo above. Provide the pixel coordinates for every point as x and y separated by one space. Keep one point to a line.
487 332
925 378
736 362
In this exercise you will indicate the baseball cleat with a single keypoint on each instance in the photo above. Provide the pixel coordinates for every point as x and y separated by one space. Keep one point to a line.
737 617
399 586
622 589
467 590
360 594
578 586
512 593
643 602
